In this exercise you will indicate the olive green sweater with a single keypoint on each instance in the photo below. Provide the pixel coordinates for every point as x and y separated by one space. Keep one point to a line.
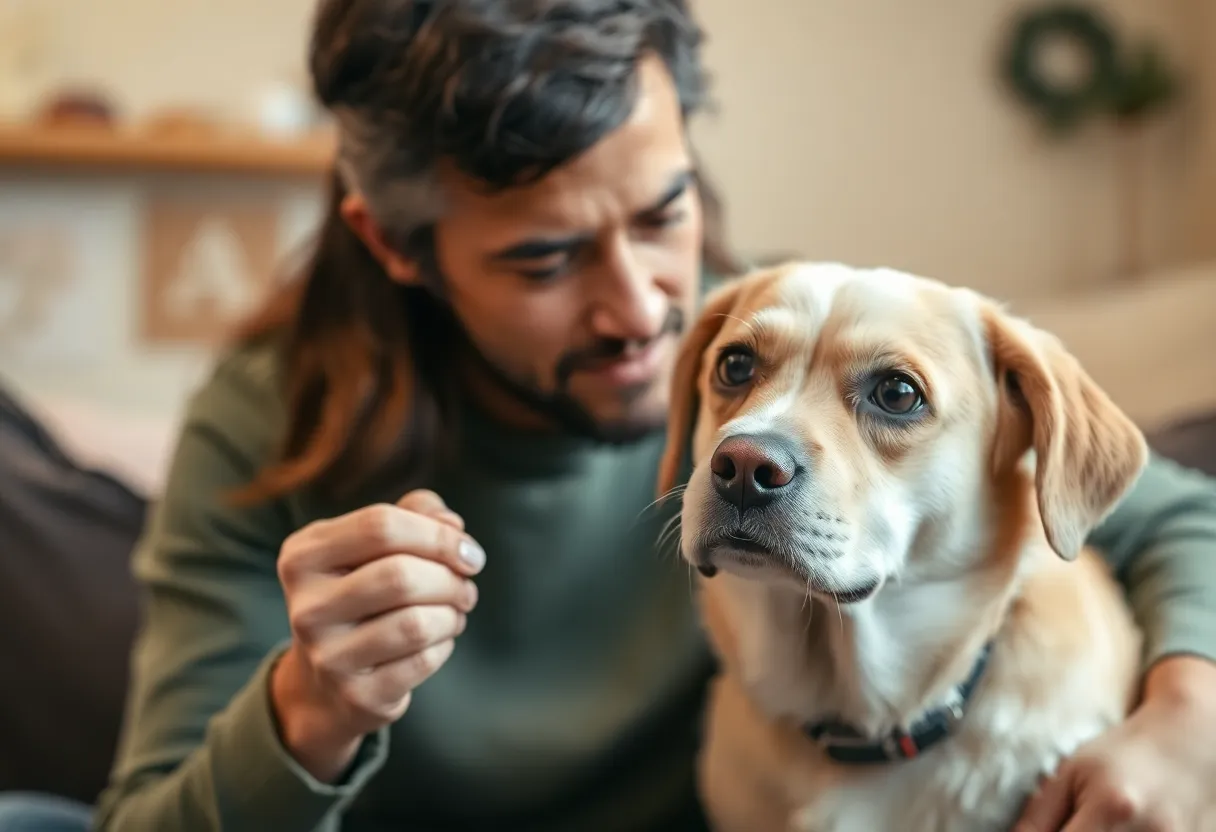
572 700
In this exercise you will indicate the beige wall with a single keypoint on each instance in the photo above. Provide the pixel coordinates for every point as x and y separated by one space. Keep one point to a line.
873 130
1200 227
866 130
214 54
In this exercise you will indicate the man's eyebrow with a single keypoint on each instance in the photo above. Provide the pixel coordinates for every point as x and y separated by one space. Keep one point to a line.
542 247
538 249
679 184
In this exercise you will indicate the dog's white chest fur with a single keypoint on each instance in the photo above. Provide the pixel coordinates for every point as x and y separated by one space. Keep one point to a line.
1025 715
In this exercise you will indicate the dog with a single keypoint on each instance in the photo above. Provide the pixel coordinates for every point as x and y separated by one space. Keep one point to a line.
892 482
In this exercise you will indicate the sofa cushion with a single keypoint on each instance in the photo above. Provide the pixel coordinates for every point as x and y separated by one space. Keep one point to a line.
68 610
1190 441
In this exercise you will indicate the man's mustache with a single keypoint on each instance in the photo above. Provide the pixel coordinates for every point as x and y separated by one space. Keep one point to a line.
607 349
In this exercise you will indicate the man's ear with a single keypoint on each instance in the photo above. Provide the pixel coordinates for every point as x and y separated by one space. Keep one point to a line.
1088 453
355 213
684 399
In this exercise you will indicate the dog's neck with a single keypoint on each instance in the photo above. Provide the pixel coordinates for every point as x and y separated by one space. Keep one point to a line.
886 662
895 659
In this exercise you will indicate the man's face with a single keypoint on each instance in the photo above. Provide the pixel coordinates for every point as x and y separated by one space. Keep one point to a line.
574 289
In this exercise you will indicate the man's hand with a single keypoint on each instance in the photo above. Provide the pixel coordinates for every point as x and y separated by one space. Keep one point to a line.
1156 772
376 599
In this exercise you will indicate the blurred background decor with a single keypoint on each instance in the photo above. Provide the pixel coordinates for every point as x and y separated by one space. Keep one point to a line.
36 265
206 266
1062 62
1068 64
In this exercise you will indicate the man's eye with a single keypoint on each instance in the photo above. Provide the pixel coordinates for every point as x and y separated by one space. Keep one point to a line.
541 274
664 220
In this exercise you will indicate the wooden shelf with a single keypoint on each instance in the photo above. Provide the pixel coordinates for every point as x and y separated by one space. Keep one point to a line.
108 149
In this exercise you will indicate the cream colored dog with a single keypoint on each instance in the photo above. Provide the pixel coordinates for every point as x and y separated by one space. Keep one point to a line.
893 481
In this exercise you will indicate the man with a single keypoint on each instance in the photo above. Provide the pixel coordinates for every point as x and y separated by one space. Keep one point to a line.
515 240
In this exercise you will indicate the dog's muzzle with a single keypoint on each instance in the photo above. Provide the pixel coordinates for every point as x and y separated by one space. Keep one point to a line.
751 472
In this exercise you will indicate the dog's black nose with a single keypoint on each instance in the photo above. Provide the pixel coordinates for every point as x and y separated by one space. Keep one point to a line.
749 470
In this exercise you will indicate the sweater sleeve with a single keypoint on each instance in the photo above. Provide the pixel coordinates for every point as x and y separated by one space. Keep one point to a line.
199 748
1161 542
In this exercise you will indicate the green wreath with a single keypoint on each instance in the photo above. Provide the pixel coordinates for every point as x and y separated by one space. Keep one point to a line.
1063 107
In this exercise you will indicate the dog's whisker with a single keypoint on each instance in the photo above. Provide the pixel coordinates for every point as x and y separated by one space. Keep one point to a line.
665 547
677 491
672 526
747 324
808 605
839 614
669 534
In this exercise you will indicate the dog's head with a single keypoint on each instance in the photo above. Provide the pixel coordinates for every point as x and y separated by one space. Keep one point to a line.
850 426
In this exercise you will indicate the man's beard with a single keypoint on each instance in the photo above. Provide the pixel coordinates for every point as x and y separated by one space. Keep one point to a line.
558 405
562 407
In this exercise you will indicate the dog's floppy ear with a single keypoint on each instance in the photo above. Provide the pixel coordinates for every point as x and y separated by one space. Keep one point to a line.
684 400
1088 453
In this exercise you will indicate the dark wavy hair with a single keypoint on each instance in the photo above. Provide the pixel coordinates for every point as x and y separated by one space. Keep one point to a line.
505 90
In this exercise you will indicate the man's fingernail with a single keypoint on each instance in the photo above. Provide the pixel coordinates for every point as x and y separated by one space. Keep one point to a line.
472 555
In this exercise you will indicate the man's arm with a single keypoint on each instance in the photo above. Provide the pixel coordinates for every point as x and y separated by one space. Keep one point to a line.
1161 542
200 748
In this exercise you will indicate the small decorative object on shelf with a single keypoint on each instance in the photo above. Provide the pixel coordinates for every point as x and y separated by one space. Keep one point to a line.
77 108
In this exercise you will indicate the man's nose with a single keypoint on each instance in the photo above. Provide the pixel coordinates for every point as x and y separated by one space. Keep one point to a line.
751 470
632 305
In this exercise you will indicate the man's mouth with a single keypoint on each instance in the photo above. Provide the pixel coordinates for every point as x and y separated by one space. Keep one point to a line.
635 366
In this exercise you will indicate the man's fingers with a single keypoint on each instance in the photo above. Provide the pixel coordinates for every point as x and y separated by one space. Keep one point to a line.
406 581
1049 807
1109 808
357 538
384 693
1091 816
430 504
423 501
390 638
412 671
385 584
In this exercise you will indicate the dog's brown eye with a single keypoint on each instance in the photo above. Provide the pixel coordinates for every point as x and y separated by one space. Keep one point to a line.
898 395
736 366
